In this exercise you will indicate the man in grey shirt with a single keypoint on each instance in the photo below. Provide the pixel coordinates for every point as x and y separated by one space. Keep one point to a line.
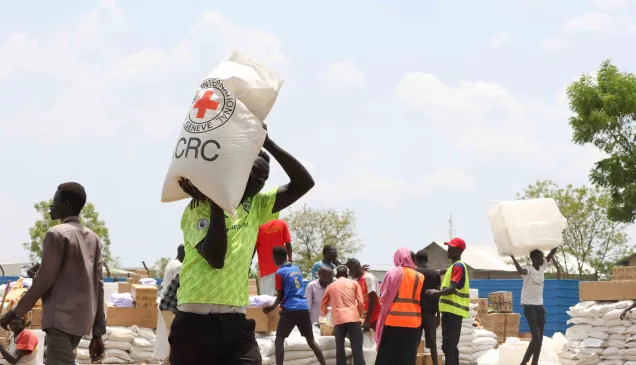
69 281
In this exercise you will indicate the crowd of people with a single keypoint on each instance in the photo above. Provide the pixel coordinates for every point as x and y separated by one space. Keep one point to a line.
206 287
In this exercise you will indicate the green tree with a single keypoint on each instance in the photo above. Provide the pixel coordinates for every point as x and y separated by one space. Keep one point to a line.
604 110
312 229
89 217
591 237
159 267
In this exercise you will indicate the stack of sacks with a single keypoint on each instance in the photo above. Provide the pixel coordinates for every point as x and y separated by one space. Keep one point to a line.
473 310
298 353
474 342
599 336
123 345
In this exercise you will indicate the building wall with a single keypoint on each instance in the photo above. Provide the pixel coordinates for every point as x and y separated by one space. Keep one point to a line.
632 261
14 269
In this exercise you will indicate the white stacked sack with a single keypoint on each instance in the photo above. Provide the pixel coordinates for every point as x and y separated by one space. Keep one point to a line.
297 352
474 342
123 345
598 336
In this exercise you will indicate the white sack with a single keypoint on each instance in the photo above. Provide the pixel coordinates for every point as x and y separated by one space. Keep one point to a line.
223 132
521 226
114 360
117 353
120 334
120 345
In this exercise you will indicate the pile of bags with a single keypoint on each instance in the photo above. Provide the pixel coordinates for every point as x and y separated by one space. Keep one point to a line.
474 342
297 352
123 345
598 336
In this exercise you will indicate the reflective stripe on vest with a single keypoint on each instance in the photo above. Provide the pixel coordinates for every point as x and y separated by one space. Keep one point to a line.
405 310
459 301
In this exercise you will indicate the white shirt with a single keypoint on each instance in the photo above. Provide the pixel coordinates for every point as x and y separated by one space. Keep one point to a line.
532 292
172 269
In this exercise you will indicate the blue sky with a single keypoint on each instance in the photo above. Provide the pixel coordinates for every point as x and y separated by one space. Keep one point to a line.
404 112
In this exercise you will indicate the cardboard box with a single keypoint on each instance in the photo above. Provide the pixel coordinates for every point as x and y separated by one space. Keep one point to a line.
512 318
128 317
326 330
144 292
500 297
482 306
624 273
4 334
36 317
607 290
124 287
264 322
4 342
502 307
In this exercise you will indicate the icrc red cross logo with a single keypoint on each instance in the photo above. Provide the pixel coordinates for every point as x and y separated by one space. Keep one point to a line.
213 106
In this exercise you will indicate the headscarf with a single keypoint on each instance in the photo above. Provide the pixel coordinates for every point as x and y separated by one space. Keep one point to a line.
391 287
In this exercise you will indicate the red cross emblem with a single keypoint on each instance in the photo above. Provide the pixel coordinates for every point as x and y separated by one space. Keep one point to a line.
205 103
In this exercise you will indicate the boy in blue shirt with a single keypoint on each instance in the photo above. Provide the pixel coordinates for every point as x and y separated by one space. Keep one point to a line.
295 312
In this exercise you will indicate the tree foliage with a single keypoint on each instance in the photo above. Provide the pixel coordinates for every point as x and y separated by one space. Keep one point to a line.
312 229
159 267
89 217
591 237
605 115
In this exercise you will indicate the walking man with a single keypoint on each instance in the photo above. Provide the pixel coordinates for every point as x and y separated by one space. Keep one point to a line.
274 233
295 312
430 304
347 306
210 326
454 302
532 300
315 291
69 282
370 291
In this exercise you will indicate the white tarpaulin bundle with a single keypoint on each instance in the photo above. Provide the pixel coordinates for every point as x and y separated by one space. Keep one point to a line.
123 345
297 352
598 336
223 132
522 226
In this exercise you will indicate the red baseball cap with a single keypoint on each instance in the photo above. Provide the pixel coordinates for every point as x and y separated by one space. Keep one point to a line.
456 242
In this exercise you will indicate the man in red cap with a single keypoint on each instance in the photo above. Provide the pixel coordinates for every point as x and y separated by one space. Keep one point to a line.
454 302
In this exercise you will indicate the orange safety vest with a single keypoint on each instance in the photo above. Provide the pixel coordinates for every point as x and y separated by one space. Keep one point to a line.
405 310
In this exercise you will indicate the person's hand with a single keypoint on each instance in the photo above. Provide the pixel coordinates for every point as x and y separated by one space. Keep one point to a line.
625 313
196 194
96 349
365 267
438 322
366 327
267 140
6 319
268 309
433 292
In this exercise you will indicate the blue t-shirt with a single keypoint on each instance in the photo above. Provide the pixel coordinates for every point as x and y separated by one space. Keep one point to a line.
289 279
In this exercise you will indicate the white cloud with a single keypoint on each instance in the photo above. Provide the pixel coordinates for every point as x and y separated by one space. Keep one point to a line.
486 118
499 40
551 44
346 72
589 21
103 88
610 4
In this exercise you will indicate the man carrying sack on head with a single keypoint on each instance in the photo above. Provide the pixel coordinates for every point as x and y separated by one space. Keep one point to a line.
454 302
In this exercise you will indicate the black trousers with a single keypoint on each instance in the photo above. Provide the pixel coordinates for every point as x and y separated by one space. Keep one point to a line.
535 315
429 328
213 339
398 346
451 330
354 331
